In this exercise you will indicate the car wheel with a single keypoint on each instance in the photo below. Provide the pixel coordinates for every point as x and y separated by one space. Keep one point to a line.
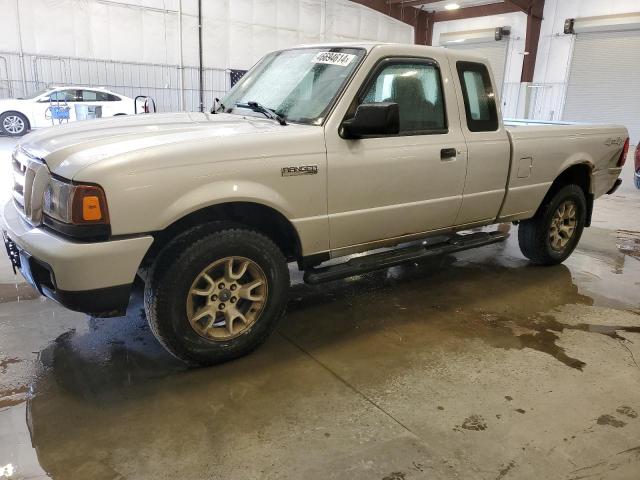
14 124
216 293
553 233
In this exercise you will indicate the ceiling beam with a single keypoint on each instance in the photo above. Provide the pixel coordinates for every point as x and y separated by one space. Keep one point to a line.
530 7
410 3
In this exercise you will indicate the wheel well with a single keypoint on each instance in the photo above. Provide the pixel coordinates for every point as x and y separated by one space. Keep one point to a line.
21 114
264 219
579 175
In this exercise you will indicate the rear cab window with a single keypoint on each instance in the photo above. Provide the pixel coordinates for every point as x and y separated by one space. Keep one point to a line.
479 97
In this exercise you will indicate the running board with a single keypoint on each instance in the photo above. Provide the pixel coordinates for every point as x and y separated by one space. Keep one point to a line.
386 259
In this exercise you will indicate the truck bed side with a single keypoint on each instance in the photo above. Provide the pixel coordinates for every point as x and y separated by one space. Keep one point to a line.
542 151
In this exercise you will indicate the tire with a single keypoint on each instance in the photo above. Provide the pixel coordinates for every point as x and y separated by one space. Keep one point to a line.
536 237
177 273
14 124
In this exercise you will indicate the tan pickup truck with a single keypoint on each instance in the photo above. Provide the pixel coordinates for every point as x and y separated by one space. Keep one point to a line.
318 152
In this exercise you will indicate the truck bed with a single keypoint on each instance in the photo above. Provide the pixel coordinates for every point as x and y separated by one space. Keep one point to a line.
541 149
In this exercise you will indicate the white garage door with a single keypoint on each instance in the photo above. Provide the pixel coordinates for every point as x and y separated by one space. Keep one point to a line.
604 80
495 52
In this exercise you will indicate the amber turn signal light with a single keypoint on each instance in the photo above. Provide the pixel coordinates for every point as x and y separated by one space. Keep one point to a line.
89 205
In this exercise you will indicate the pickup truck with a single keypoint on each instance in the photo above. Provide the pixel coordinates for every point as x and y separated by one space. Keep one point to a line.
318 153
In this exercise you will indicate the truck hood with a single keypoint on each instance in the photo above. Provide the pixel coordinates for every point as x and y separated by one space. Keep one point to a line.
68 148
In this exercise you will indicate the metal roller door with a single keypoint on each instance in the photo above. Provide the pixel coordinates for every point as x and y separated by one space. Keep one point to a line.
603 80
495 52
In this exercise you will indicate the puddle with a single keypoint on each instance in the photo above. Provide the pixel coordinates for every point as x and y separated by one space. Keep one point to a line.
5 362
546 330
474 422
13 396
628 242
610 420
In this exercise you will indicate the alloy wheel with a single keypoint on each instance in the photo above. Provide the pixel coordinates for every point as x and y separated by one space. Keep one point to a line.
563 225
226 298
13 124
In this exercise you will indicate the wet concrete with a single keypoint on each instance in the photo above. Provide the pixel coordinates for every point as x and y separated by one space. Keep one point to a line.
470 366
477 365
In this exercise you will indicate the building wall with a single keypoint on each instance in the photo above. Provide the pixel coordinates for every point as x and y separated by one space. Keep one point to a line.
510 91
236 32
555 49
518 23
113 36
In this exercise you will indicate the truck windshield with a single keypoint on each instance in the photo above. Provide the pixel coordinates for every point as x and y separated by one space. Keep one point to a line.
299 84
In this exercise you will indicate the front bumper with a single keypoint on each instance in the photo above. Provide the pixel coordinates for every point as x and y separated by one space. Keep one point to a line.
94 278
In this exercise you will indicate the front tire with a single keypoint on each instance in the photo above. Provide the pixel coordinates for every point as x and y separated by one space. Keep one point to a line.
14 124
216 293
553 233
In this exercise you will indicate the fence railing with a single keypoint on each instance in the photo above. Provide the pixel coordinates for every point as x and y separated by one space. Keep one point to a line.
546 100
172 87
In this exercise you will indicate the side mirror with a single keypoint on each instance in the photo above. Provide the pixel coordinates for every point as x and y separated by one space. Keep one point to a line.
373 119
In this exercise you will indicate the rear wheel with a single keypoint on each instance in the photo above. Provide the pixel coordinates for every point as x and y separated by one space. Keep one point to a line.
552 235
216 293
14 124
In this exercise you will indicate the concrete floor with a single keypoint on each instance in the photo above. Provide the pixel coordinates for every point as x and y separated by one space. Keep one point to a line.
474 366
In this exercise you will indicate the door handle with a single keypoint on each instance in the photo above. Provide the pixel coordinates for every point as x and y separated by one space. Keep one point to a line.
448 153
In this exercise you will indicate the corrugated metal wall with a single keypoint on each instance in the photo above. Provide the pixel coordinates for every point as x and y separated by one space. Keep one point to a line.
603 80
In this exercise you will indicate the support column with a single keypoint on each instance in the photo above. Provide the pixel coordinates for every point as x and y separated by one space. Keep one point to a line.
534 22
424 28
534 10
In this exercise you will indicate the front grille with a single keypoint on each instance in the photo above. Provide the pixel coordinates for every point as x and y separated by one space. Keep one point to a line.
30 175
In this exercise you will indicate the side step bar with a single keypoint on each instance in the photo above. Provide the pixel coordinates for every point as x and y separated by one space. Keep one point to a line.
377 261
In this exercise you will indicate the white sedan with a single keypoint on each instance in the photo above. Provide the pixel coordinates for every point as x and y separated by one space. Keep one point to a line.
53 105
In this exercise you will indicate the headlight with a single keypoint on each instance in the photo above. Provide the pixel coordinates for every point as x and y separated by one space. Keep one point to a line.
77 210
57 200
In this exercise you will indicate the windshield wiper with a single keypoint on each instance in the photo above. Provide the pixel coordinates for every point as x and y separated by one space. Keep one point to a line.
267 112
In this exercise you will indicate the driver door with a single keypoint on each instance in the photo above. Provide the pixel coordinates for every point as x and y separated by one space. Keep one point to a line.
388 187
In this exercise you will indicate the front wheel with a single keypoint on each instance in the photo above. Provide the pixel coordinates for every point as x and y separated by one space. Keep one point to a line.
216 293
553 233
14 124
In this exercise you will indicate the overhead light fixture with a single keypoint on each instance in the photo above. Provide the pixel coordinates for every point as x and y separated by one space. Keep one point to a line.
452 6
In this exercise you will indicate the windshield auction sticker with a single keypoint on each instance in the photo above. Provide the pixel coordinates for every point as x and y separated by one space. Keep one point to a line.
333 58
